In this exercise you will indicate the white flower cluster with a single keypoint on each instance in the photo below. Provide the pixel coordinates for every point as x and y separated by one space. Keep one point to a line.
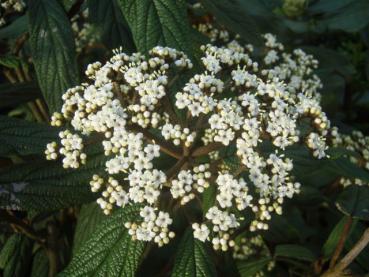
357 143
71 148
9 7
154 227
167 146
189 182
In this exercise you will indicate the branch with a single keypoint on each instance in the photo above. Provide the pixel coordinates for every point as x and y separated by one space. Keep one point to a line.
164 146
204 150
339 269
176 168
354 252
341 242
23 227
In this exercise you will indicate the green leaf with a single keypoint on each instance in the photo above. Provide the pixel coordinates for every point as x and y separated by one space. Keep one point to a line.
110 250
208 198
192 258
14 94
10 61
344 167
157 22
15 256
251 268
24 137
294 251
328 6
47 185
353 201
108 18
52 50
249 19
40 264
332 241
15 29
89 218
350 18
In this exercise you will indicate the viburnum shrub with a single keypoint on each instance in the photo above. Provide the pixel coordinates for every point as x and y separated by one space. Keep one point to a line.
184 138
239 109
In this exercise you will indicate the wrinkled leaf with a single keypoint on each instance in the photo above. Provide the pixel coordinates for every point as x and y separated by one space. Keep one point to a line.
23 137
89 218
109 20
47 185
52 49
15 256
157 22
192 258
110 250
14 94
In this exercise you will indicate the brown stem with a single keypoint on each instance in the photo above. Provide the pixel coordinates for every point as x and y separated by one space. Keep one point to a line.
354 252
341 242
339 269
164 146
204 150
176 168
10 76
21 226
20 42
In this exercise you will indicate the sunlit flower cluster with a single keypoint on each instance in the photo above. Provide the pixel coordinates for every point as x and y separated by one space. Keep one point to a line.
169 140
8 7
359 145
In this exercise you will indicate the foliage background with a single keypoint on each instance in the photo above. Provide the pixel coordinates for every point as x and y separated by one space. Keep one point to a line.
60 229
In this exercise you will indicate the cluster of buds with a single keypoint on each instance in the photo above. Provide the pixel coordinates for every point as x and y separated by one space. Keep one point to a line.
169 137
357 143
84 32
71 147
154 227
253 248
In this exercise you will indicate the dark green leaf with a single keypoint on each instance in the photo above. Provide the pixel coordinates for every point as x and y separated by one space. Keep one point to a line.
15 256
110 250
158 22
14 94
329 6
192 258
40 264
332 241
294 251
10 61
108 18
251 268
330 61
89 218
208 198
15 29
344 167
23 137
353 201
52 49
47 185
350 18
